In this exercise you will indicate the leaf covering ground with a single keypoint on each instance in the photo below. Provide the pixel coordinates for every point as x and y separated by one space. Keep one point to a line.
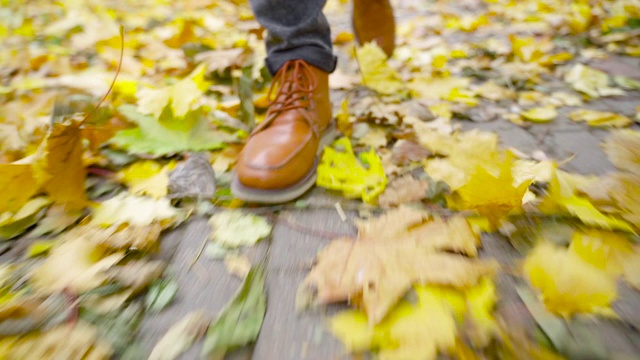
89 190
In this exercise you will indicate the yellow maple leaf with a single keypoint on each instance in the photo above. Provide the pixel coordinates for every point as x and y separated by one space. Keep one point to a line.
147 177
561 197
58 166
376 72
181 96
420 331
17 185
567 284
340 170
606 250
417 331
493 196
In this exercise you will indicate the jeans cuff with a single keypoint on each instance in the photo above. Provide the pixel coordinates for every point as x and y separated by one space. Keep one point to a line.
315 56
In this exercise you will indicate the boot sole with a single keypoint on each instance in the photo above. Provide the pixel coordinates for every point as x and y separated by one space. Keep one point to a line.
279 196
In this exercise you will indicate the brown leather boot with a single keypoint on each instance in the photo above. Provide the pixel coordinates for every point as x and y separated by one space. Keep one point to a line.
373 21
279 160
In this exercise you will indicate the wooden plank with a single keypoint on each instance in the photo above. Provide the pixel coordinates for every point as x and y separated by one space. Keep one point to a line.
286 335
206 285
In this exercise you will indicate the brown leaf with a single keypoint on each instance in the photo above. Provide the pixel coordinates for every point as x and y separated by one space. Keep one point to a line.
137 274
403 190
383 272
394 252
58 165
405 152
391 223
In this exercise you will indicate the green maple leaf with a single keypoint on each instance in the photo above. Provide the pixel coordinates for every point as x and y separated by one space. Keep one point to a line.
168 134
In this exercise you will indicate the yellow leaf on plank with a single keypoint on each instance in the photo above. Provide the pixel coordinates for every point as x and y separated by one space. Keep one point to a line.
376 73
340 170
600 118
540 114
493 196
422 330
606 250
417 331
58 165
17 185
569 285
147 177
623 150
561 196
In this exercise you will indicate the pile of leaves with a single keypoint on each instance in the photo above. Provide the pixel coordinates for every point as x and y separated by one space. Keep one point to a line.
89 186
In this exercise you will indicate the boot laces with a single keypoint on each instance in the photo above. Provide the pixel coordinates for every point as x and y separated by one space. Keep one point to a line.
294 82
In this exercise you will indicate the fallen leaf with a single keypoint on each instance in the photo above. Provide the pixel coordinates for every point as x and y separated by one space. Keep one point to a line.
193 132
376 73
606 250
568 285
181 336
492 91
600 118
623 150
417 331
147 177
136 275
76 264
133 210
404 152
160 294
561 196
237 265
403 190
14 224
340 170
17 186
435 87
57 219
540 114
235 228
21 314
589 81
120 236
632 269
58 165
381 270
180 96
493 196
240 322
66 341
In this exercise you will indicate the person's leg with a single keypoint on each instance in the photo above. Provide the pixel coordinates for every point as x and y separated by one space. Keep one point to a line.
279 159
297 30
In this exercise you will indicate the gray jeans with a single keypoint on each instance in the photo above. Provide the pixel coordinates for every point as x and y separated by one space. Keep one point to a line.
297 29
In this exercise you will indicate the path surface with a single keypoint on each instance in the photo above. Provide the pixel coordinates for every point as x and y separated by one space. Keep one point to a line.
299 234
